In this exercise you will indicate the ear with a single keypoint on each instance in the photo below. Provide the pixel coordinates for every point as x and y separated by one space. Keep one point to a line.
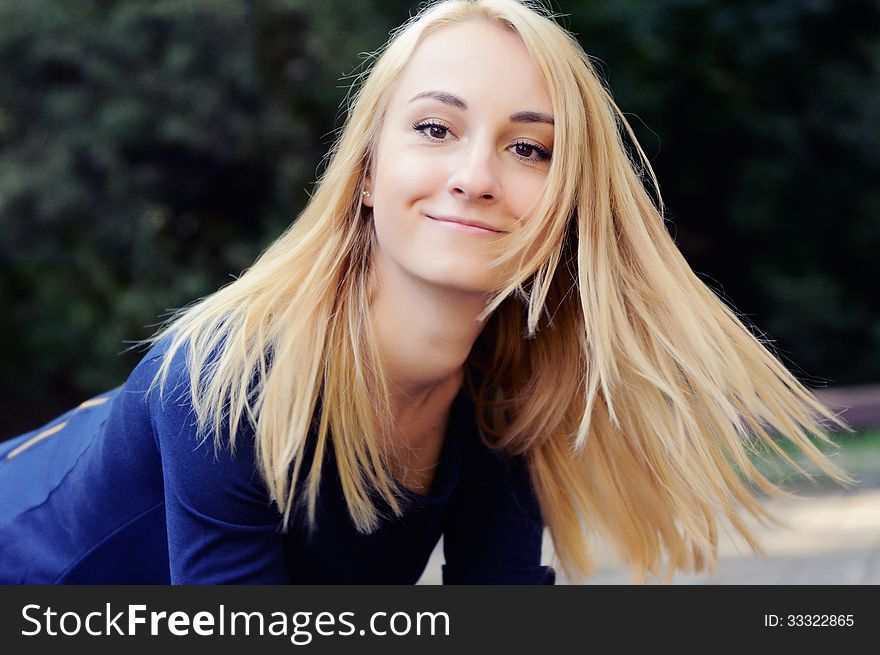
367 192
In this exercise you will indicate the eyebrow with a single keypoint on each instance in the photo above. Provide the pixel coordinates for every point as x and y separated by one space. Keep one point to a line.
454 101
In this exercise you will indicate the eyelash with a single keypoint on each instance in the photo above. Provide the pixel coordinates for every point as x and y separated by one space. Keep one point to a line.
543 153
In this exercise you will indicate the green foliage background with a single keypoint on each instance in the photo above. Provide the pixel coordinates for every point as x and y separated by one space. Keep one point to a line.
149 150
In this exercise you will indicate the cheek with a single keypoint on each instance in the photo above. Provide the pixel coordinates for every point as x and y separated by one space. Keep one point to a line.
406 177
401 169
396 214
524 194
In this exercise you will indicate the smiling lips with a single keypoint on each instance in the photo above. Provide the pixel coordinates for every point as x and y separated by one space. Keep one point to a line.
474 227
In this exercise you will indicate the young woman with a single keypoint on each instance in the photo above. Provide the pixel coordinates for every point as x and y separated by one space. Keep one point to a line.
478 326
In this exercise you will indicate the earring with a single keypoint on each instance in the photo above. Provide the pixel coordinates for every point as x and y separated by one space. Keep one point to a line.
366 194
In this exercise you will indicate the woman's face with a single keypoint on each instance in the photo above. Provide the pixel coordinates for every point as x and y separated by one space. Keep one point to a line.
465 142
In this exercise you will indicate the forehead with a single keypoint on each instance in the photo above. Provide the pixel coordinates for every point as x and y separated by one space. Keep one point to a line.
478 60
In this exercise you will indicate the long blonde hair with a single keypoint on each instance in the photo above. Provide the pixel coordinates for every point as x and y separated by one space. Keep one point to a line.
634 393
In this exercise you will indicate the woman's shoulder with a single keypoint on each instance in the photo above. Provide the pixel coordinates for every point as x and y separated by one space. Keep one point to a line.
142 375
165 371
159 387
203 472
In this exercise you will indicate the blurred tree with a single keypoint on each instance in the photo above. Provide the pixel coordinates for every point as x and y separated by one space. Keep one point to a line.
761 118
125 180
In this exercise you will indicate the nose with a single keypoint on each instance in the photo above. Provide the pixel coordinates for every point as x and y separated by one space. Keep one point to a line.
474 176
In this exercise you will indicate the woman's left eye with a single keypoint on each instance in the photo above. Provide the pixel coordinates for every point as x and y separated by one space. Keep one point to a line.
530 151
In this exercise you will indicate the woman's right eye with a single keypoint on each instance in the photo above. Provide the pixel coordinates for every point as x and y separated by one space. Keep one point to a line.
432 130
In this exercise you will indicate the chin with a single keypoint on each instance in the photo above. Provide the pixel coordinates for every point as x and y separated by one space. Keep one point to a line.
463 284
459 272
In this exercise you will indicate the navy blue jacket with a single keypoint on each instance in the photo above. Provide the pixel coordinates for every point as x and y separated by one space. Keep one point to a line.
120 490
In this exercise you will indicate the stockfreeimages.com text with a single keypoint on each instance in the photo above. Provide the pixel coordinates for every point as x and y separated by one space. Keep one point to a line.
301 627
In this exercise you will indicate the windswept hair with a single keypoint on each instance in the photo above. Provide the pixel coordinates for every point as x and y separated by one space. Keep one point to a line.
635 394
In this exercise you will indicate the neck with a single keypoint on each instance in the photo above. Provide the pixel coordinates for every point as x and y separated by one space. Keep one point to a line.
425 334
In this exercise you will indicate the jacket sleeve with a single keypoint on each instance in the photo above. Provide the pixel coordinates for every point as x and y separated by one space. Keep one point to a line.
222 528
494 530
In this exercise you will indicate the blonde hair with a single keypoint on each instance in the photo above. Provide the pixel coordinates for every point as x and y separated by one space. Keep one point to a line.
633 392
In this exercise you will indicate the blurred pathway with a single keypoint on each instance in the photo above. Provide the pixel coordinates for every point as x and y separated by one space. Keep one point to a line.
832 538
859 406
833 535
